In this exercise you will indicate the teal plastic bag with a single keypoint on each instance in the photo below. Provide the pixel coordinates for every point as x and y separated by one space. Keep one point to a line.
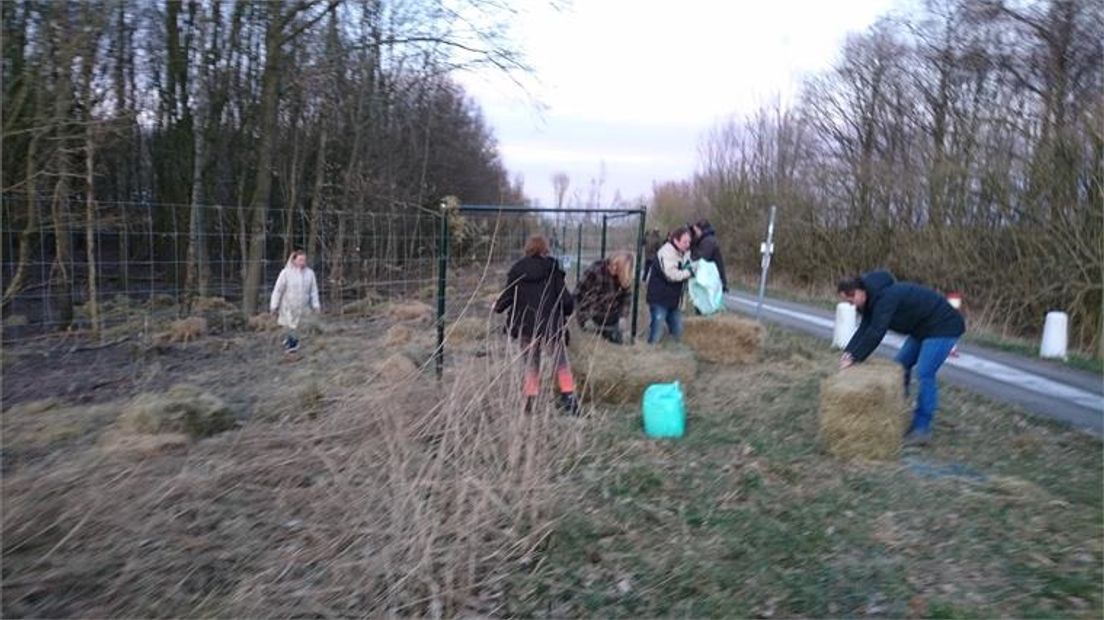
664 410
706 290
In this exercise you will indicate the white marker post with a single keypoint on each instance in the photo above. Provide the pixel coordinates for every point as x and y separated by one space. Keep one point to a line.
845 326
766 249
955 299
1055 336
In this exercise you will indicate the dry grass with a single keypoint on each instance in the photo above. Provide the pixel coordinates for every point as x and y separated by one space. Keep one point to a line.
467 330
183 409
263 322
863 412
415 500
397 335
363 307
396 368
415 311
724 338
620 373
221 315
183 330
42 423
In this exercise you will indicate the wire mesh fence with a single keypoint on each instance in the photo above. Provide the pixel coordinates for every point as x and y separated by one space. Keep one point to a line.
144 262
141 258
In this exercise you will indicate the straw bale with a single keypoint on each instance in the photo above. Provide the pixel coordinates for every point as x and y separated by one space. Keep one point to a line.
183 409
363 307
221 315
619 374
397 367
397 335
183 330
466 330
410 311
862 412
263 322
723 338
144 445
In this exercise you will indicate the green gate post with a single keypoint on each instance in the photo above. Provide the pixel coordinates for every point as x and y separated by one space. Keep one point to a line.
605 222
578 253
639 271
442 287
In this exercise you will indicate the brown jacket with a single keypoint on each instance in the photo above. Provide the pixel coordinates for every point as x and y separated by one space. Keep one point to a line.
599 296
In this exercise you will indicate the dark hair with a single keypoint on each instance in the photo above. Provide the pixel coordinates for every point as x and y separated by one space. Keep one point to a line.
536 246
703 224
678 232
848 286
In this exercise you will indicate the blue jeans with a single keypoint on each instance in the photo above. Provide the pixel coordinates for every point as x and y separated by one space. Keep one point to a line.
927 355
661 314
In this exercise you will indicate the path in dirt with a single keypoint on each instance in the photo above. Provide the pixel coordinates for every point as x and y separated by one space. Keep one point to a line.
1042 388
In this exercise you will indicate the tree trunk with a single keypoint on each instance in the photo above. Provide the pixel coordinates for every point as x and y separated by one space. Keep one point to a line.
263 192
29 229
316 198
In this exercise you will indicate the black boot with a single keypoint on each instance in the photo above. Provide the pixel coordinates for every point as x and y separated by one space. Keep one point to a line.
569 405
529 404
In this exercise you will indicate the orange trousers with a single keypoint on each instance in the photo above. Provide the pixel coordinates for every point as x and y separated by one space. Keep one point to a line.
533 349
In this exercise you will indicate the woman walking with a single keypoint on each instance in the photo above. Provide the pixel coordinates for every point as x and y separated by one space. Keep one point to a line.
666 283
295 290
539 303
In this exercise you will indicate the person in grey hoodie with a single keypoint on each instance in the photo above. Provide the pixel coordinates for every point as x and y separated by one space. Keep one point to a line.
296 289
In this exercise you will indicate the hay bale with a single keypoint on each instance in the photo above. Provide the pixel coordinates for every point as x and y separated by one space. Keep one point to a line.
397 336
183 409
466 330
16 320
161 300
619 374
263 322
397 367
221 315
362 307
183 330
863 412
410 311
142 446
723 338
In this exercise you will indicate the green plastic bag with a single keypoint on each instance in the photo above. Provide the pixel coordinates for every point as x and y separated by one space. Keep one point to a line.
664 410
706 290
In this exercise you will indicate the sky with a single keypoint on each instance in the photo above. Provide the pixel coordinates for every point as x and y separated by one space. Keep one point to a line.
628 87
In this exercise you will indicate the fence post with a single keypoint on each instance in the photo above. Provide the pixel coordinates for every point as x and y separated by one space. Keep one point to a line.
605 222
578 253
637 272
442 288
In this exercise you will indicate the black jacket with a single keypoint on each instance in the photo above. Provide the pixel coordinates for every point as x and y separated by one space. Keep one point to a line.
904 307
537 298
706 247
662 291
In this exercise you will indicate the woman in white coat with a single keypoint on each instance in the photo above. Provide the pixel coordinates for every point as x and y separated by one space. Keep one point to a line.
295 289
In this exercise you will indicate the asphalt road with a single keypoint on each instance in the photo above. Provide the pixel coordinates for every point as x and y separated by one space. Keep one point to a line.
1042 388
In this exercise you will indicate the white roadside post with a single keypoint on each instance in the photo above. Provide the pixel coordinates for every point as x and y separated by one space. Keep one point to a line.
1055 336
766 249
845 326
955 299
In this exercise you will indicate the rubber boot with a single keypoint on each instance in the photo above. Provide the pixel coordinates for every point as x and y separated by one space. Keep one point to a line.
569 405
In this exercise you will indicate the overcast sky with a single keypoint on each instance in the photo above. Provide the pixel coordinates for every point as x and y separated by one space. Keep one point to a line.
635 83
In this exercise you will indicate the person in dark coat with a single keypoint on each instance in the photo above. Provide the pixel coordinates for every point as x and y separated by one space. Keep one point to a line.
666 283
603 296
705 247
539 302
924 316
